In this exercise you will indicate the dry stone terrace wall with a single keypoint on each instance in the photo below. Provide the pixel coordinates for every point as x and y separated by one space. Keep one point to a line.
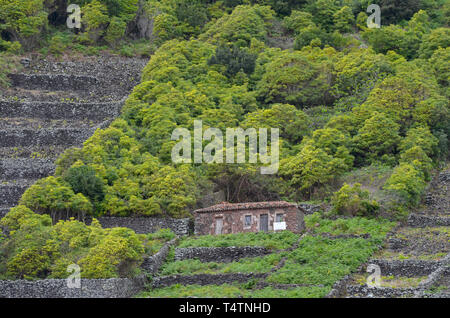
53 82
90 288
426 235
57 288
219 254
204 279
54 105
144 225
151 265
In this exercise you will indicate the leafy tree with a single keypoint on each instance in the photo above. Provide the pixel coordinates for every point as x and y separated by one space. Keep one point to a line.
439 61
418 158
239 27
113 256
353 201
116 31
393 38
83 179
298 20
377 138
421 137
293 123
23 21
95 20
358 71
343 19
53 197
235 60
293 79
323 12
407 182
437 38
394 11
312 167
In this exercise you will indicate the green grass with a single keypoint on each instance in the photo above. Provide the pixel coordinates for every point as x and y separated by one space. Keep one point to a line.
321 261
246 265
233 291
377 228
274 241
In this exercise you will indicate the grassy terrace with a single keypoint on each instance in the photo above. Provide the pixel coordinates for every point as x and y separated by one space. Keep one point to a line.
317 263
245 265
274 241
234 291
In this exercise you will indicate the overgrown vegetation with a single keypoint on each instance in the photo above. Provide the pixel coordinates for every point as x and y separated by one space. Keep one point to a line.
34 249
275 241
351 103
234 291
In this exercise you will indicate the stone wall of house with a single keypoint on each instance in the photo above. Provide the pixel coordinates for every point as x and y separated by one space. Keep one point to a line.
219 254
234 220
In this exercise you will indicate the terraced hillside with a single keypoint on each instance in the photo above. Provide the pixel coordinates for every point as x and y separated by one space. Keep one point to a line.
52 106
416 261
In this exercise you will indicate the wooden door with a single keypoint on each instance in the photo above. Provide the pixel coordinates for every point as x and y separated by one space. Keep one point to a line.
264 222
219 226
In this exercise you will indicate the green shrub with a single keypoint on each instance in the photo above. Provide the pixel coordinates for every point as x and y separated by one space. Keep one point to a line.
115 31
83 179
377 228
407 182
52 196
234 59
8 64
352 200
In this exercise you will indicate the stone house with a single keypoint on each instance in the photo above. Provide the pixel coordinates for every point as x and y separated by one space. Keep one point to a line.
226 218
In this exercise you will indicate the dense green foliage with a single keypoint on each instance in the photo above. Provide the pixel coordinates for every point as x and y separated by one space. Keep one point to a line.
383 106
36 249
377 228
322 261
245 265
353 201
345 98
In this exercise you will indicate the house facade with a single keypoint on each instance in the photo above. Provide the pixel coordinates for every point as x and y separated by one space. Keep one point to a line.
227 218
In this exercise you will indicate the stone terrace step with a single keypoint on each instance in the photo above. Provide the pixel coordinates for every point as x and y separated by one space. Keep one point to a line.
60 110
44 137
11 192
417 220
25 168
39 123
32 152
53 82
3 211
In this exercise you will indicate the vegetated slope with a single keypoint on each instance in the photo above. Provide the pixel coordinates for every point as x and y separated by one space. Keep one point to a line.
416 258
329 250
52 106
340 108
380 108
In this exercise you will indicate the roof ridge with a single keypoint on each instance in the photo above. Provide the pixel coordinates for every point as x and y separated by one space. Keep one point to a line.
226 206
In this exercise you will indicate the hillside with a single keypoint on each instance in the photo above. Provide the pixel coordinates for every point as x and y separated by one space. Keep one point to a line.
88 118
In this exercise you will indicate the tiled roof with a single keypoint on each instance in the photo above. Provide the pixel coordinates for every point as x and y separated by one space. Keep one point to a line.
225 206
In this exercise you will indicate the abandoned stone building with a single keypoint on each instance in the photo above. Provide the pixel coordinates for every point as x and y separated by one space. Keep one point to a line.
226 218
